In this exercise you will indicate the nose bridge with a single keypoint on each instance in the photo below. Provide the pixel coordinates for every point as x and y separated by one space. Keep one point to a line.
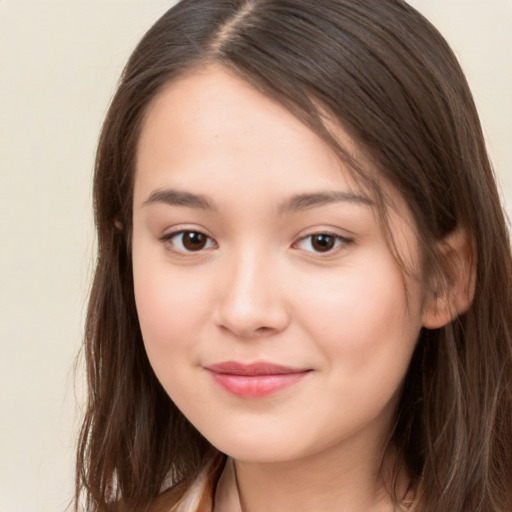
252 301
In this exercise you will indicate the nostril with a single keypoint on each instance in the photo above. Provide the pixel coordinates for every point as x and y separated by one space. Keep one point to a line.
247 332
264 330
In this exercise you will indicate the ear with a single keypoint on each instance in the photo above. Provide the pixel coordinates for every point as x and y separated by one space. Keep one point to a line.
118 224
453 293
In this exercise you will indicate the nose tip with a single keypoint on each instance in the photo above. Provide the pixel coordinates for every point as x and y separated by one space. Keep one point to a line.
251 303
251 316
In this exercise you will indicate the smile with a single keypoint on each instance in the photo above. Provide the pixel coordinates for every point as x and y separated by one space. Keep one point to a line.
255 380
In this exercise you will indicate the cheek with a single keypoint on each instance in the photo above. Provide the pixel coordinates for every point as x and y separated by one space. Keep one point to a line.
363 321
172 307
365 333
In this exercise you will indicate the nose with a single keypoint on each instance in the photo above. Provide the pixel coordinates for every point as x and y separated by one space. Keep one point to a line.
251 299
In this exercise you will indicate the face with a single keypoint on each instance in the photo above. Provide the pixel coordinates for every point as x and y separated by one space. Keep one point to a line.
272 309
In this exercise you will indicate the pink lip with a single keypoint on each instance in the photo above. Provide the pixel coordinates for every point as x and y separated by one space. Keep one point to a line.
254 380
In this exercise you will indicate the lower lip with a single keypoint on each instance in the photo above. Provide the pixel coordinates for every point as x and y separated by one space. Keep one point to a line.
256 386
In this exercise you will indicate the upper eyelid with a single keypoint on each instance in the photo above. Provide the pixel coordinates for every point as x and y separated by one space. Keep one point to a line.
184 229
176 232
327 230
342 238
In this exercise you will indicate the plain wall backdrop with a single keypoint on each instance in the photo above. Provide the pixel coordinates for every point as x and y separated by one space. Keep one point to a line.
59 64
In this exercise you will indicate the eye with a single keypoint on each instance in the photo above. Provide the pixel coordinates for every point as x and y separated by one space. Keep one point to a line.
188 241
322 242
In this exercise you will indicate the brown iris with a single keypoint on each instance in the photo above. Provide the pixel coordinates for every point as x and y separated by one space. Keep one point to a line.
323 242
193 240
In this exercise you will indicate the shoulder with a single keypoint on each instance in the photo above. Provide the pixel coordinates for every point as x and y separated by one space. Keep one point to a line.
168 500
192 496
164 502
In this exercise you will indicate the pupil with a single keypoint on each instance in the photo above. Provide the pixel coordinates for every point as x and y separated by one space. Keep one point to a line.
323 243
194 241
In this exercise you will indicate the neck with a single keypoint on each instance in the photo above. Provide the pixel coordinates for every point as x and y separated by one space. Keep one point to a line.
337 479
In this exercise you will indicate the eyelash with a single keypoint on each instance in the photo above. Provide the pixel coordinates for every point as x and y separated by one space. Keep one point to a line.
338 241
169 239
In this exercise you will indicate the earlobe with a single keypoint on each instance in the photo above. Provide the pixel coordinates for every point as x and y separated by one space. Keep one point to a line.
454 294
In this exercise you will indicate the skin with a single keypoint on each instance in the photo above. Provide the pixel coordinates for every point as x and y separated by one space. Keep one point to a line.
260 290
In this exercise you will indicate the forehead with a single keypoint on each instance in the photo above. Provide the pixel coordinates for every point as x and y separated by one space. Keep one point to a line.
209 120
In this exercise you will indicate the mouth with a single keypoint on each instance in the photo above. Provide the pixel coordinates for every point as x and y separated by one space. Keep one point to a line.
254 380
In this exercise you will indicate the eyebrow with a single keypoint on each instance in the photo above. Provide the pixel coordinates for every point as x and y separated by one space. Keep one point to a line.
174 197
312 200
296 203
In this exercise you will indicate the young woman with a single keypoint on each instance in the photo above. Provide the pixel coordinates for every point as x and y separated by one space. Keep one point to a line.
302 293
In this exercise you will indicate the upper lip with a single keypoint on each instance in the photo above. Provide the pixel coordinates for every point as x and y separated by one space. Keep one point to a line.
257 368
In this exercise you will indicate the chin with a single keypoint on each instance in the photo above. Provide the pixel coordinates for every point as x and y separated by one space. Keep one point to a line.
256 447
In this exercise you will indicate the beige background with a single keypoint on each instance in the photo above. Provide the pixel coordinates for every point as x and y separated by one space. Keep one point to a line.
59 62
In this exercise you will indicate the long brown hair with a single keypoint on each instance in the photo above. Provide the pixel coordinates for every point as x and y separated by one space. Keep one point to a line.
381 70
